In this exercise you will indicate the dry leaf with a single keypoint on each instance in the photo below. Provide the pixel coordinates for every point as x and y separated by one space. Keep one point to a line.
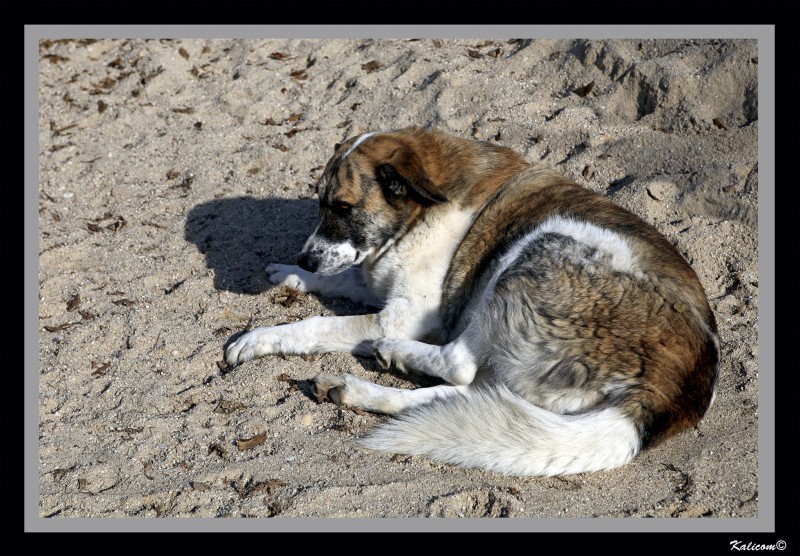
187 110
228 407
182 52
101 369
585 90
217 449
272 483
250 443
371 66
277 55
118 225
74 302
59 473
106 83
55 58
222 330
87 315
60 327
287 297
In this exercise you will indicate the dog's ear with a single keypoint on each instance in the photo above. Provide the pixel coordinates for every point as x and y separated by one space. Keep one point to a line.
402 172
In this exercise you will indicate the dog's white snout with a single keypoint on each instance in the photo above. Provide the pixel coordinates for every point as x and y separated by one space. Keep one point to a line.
326 257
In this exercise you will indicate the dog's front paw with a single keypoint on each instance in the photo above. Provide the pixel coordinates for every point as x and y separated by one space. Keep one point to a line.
385 354
291 276
256 343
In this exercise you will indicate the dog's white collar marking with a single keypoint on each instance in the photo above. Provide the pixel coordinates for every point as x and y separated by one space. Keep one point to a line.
357 143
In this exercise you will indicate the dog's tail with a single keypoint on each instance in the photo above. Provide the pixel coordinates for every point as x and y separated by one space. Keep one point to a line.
494 429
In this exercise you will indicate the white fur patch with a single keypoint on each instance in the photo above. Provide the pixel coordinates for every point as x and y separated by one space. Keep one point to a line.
604 240
357 143
595 236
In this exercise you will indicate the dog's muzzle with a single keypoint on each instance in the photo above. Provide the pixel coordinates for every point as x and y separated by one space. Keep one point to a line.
327 258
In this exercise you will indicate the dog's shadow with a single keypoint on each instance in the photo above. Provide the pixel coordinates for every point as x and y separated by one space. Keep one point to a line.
239 236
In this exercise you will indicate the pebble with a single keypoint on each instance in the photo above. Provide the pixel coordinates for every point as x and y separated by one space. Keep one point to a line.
307 420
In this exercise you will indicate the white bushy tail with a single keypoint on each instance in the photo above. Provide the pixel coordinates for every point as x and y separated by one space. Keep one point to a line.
497 430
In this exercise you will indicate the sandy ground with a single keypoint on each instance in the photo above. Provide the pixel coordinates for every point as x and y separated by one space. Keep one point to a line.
172 172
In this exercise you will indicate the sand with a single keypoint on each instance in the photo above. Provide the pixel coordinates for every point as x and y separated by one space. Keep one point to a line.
173 172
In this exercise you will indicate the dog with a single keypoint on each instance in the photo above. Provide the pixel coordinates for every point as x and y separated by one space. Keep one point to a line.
568 333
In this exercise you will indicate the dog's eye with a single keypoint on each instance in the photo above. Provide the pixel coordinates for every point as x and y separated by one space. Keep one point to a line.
339 206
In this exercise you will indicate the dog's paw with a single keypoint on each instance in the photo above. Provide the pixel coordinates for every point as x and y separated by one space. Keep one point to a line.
290 275
386 355
345 390
256 343
330 388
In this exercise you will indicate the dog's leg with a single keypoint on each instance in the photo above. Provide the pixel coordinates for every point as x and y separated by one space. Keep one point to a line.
349 334
353 392
353 334
349 284
454 362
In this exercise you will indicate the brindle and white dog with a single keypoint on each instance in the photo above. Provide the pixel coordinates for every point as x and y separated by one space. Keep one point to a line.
570 333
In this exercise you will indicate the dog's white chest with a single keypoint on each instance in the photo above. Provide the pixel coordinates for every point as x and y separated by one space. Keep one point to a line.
415 266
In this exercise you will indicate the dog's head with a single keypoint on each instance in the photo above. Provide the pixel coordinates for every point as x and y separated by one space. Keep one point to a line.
371 191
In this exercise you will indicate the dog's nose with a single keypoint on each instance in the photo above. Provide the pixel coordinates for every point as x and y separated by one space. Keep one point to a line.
306 263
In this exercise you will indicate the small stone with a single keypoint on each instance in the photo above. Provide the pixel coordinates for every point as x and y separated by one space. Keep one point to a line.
307 420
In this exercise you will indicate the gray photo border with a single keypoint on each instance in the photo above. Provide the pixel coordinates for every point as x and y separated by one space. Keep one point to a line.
765 522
